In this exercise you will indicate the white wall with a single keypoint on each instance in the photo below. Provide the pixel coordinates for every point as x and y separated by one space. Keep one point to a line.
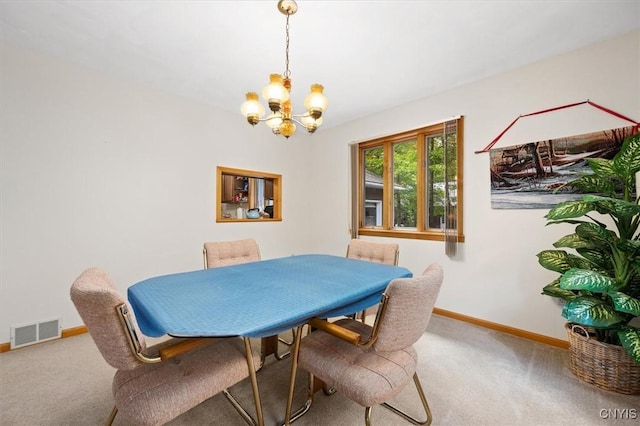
98 171
101 171
495 275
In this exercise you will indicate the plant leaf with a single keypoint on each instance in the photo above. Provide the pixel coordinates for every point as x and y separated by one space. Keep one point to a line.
561 261
582 279
593 183
591 312
554 290
599 258
602 167
625 303
554 260
630 340
573 241
633 287
598 235
627 160
630 246
582 263
615 206
569 209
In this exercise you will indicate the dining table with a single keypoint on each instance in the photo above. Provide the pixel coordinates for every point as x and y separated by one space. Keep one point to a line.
258 299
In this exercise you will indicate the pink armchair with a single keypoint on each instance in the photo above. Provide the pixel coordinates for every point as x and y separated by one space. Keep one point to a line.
372 364
153 385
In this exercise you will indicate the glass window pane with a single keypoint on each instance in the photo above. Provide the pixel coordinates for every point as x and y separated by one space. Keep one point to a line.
435 183
405 184
373 184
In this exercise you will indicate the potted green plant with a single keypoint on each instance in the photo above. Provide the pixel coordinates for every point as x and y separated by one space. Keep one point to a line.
600 283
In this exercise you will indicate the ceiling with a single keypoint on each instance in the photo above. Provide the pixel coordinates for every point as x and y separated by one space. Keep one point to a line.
369 55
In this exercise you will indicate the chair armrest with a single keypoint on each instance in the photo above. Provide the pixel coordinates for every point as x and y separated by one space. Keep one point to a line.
184 346
336 330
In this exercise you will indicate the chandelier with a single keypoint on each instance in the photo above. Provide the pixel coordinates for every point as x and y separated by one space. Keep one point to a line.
281 120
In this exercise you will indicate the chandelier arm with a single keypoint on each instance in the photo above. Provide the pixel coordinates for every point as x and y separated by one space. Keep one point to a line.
294 118
265 119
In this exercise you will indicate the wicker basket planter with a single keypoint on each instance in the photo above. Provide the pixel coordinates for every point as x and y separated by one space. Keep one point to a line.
606 366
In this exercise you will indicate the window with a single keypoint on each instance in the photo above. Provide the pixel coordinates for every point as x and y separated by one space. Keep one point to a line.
409 185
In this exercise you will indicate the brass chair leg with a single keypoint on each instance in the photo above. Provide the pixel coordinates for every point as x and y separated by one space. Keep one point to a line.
285 341
284 355
269 346
359 316
254 381
306 406
279 357
328 390
112 415
407 417
239 408
290 418
367 416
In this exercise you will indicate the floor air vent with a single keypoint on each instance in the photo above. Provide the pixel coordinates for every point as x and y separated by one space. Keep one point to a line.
28 334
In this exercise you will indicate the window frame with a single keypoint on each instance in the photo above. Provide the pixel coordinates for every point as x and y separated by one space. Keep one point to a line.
387 142
276 180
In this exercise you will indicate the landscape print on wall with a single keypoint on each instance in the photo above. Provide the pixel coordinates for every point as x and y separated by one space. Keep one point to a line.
532 175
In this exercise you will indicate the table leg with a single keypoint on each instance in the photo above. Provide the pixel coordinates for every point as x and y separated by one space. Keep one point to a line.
254 381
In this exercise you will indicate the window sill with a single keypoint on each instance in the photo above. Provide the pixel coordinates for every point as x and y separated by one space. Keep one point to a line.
410 234
260 219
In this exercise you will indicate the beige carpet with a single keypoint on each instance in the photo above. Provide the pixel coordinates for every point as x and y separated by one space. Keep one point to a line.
471 375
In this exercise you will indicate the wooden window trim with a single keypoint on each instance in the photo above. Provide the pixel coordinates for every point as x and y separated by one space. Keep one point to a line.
421 232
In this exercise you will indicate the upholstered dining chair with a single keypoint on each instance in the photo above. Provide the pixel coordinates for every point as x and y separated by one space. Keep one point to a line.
372 364
152 385
372 251
223 253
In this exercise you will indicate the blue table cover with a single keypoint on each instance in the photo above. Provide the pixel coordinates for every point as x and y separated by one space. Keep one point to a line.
258 299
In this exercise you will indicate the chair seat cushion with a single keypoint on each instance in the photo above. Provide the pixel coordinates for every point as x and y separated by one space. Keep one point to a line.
154 394
362 375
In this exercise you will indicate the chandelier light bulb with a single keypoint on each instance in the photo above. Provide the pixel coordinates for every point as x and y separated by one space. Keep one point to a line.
275 93
274 120
316 102
252 109
310 123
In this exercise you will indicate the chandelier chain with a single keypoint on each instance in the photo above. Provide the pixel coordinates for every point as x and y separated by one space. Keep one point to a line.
287 73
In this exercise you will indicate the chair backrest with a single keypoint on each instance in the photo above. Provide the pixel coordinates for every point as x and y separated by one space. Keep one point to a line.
373 251
96 300
223 253
408 310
